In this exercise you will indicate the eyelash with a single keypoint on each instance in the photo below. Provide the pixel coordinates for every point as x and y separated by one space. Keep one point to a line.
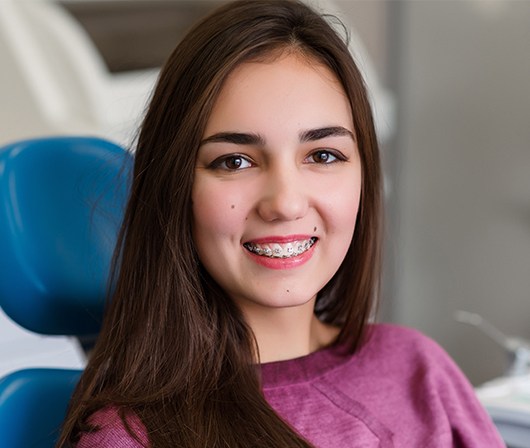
220 161
338 156
217 163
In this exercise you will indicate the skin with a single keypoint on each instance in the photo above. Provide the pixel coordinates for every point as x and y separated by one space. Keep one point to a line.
279 161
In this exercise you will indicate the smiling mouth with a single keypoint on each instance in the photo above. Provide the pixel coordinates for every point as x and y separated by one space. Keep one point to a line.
281 250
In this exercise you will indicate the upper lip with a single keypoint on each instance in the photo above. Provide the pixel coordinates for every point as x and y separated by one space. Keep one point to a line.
280 239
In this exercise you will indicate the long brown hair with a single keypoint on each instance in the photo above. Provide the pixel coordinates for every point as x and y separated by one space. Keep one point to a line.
174 349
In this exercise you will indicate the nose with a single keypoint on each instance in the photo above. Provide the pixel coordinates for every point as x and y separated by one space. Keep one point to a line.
284 197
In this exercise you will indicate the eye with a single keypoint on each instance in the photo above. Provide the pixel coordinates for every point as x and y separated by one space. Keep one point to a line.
233 162
324 157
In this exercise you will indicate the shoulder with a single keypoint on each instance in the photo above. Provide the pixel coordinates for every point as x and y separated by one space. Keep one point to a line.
416 365
401 372
112 432
396 335
404 355
396 343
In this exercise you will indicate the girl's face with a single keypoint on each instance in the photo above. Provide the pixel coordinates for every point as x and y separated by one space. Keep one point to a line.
277 183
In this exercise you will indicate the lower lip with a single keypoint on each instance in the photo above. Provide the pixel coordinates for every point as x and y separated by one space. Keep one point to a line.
282 263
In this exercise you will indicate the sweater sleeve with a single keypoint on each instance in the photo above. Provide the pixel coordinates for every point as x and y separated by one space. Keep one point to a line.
470 424
111 432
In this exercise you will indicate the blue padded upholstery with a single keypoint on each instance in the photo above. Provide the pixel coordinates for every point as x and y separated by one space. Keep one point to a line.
33 404
61 203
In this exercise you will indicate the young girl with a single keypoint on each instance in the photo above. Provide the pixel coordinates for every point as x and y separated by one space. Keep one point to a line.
249 261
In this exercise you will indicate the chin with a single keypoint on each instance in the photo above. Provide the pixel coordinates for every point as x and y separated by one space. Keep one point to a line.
285 298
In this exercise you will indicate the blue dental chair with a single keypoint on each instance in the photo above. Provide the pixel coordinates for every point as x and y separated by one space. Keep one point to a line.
61 204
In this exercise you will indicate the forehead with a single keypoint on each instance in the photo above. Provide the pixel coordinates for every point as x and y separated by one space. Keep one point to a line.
274 92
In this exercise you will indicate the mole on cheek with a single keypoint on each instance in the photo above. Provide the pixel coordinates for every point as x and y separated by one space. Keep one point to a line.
315 229
233 206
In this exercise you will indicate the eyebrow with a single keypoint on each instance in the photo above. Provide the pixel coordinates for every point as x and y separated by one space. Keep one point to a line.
243 138
320 133
237 138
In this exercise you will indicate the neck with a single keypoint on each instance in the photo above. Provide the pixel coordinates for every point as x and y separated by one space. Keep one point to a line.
288 333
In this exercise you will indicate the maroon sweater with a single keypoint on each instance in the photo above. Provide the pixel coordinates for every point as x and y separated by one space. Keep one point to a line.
400 390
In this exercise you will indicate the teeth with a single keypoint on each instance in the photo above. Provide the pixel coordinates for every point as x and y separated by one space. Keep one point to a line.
276 250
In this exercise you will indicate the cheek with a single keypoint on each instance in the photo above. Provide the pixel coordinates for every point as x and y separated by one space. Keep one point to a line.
217 214
342 204
343 218
342 223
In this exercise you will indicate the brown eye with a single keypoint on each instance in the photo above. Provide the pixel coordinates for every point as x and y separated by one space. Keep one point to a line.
234 162
323 157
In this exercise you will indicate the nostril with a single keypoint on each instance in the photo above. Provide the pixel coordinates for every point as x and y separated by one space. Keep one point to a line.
288 205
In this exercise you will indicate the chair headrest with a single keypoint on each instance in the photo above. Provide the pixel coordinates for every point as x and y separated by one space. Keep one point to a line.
36 399
61 205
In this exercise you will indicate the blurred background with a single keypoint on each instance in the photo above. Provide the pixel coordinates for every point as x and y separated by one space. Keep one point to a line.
450 83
